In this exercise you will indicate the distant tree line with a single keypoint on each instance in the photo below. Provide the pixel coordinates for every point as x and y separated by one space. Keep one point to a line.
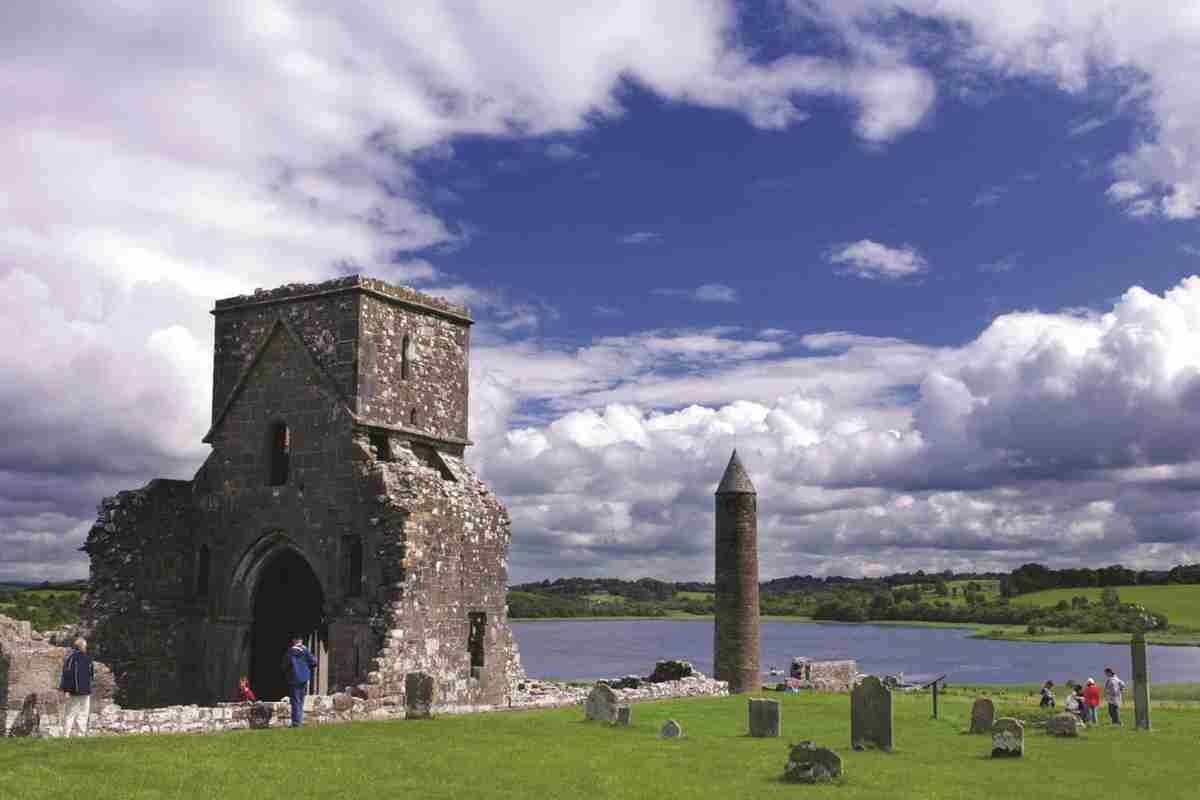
1037 577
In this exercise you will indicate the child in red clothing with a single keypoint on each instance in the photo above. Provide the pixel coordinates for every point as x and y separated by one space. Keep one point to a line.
1091 699
245 693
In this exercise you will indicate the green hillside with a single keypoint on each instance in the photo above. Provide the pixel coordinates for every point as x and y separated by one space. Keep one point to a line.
1181 603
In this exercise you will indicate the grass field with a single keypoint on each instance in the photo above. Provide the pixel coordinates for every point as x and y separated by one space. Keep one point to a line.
552 754
1181 603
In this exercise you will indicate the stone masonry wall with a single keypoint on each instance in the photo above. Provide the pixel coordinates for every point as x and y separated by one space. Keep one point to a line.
142 568
827 676
432 399
451 538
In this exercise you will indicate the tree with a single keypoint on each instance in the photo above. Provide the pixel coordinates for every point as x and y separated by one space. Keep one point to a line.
1109 597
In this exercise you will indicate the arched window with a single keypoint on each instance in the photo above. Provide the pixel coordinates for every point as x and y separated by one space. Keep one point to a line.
405 357
202 570
280 451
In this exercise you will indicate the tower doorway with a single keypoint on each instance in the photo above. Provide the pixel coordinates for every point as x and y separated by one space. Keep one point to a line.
288 602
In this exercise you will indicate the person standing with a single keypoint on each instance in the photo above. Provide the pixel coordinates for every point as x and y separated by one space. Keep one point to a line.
78 673
1091 696
1114 689
1047 695
298 664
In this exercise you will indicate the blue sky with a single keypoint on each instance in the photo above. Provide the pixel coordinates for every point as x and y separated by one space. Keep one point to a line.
929 265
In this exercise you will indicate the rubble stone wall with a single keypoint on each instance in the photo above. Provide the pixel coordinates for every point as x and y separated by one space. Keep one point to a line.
826 676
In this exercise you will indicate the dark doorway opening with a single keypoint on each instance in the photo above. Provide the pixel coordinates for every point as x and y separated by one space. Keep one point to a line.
287 603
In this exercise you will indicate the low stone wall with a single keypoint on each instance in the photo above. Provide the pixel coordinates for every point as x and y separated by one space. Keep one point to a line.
43 719
823 676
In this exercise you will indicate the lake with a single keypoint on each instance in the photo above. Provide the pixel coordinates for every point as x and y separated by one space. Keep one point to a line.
590 649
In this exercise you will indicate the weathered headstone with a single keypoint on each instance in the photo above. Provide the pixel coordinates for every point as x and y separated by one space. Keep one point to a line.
1141 681
602 704
871 715
260 715
29 718
1008 738
671 730
1063 725
418 695
808 763
764 717
624 716
983 715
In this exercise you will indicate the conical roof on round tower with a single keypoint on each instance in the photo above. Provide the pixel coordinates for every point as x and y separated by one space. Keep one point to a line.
735 480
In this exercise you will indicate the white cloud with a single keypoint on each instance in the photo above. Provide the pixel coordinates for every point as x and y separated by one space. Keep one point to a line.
705 293
1150 56
869 259
561 151
1056 437
641 237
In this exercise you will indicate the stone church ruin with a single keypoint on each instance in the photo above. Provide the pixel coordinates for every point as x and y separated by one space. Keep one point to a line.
335 505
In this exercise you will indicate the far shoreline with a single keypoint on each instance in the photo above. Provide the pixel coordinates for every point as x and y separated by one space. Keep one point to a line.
978 630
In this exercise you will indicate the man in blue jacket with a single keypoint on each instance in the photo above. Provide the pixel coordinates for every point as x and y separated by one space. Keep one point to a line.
298 664
78 672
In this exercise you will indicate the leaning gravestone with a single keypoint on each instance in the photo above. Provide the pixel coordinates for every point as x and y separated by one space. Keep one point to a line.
418 695
871 715
808 763
983 715
670 730
602 704
1141 681
624 716
1008 738
764 717
1063 725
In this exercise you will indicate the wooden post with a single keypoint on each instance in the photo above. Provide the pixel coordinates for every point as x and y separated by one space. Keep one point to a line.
935 692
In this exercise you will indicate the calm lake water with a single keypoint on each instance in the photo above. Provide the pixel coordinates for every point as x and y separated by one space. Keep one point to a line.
589 649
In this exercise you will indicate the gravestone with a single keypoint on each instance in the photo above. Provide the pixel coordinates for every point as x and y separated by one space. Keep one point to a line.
1008 738
808 763
418 695
29 718
1141 681
871 715
764 717
983 715
260 715
624 716
670 670
602 704
1063 725
670 730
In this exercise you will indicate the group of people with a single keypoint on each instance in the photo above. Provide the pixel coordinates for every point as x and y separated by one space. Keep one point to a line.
79 673
1083 699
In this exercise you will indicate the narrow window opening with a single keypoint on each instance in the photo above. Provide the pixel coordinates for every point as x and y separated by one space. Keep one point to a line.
352 569
383 446
431 458
405 357
478 624
281 446
412 417
202 571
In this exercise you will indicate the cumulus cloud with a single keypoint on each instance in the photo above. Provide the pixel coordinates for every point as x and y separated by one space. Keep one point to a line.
705 293
870 259
1053 436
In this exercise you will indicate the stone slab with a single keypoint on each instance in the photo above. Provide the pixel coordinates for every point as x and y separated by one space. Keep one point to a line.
1008 738
764 717
871 715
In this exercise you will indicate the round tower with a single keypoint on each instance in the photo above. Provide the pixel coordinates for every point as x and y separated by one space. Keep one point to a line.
735 630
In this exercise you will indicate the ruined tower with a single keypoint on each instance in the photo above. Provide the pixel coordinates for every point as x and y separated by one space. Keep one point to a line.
335 505
735 629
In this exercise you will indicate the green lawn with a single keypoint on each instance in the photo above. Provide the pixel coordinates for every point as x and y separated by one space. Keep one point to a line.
552 754
1181 603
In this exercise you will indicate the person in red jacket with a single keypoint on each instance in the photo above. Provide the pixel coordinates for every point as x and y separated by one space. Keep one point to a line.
245 693
1091 698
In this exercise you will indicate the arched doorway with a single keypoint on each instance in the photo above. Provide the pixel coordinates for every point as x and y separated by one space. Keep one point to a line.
288 602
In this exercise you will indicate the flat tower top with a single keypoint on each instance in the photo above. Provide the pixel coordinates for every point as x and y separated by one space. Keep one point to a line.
735 480
403 295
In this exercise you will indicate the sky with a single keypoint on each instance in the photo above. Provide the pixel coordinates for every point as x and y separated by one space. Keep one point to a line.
929 265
